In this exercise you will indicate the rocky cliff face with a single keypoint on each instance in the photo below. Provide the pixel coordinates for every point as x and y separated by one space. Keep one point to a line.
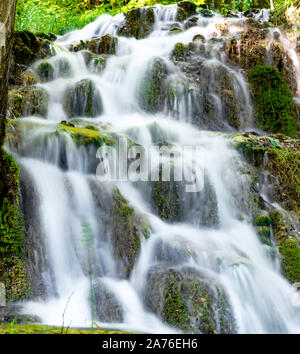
7 20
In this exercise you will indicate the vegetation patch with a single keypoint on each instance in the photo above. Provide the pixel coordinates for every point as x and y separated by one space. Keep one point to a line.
273 101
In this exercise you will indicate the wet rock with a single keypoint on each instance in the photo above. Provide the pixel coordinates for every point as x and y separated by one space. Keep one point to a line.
106 306
183 298
46 71
34 248
273 102
191 22
206 13
180 52
104 45
286 227
28 48
28 101
138 23
283 62
83 100
198 37
11 313
175 30
166 198
185 10
151 93
64 68
125 234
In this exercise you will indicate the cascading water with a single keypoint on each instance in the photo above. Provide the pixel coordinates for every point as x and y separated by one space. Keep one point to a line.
210 239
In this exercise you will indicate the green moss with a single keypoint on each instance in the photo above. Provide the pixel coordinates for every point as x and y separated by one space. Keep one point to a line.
180 52
175 311
139 23
151 93
264 234
185 10
28 101
87 136
263 220
288 245
12 272
46 71
273 101
290 252
166 198
28 328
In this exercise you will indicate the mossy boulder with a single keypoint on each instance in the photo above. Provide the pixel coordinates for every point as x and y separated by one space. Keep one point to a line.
288 243
27 48
83 100
175 30
280 155
273 101
125 234
184 299
180 52
106 306
151 93
185 10
138 23
283 62
251 50
28 101
166 197
105 45
45 71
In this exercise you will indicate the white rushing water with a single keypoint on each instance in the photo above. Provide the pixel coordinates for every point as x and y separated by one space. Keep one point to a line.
230 253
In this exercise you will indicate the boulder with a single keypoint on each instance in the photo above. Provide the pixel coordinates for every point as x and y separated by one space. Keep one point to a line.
28 101
151 92
138 23
184 299
185 10
83 100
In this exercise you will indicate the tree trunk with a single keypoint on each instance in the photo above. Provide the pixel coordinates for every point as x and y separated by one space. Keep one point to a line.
7 21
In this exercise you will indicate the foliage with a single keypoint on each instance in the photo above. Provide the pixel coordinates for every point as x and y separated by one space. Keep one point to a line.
273 101
61 16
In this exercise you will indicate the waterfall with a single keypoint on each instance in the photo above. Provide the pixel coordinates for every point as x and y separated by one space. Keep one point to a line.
211 240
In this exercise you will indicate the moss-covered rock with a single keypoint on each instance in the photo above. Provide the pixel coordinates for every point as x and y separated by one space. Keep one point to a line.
280 155
263 220
288 244
105 45
183 299
175 30
166 198
151 93
180 52
84 136
273 101
185 10
83 100
45 70
251 50
27 48
138 23
126 236
284 63
12 271
28 101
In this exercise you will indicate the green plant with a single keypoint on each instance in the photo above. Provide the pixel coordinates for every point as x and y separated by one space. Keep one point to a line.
273 101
